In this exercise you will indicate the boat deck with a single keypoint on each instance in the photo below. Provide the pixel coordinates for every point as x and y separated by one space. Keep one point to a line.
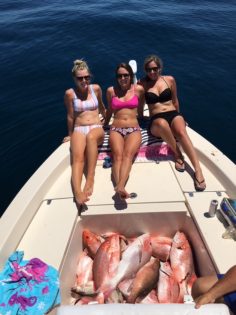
159 188
43 216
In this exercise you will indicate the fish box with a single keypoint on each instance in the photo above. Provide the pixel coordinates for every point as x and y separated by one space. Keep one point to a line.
165 223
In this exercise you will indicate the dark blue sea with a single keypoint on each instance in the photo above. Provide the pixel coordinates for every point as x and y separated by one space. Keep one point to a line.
40 39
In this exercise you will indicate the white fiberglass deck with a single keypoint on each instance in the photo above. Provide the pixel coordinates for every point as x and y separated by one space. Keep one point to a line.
46 201
160 188
146 179
222 251
49 232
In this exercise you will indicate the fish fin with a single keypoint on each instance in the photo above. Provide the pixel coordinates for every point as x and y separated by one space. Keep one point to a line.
140 257
107 289
130 287
140 253
87 289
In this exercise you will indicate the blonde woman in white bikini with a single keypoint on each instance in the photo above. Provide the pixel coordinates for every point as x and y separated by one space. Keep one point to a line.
166 121
85 132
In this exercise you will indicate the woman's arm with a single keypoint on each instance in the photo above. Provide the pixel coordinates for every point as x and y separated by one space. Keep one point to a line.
175 100
223 286
109 111
141 82
141 104
101 106
70 115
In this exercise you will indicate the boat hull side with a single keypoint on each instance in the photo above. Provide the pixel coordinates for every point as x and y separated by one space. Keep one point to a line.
18 215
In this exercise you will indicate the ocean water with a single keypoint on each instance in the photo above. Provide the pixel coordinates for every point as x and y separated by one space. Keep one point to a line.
40 40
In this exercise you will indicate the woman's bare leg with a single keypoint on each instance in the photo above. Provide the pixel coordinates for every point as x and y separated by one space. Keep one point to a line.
179 129
93 139
117 146
78 143
131 146
161 128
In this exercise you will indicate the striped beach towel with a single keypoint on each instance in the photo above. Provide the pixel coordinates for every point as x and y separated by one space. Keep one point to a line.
152 148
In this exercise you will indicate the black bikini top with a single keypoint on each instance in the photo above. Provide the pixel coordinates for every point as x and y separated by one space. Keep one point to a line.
153 98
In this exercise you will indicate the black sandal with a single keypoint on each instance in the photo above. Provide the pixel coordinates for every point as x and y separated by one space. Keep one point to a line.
181 163
197 184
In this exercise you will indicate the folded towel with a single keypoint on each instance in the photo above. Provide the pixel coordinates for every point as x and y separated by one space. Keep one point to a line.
155 152
28 286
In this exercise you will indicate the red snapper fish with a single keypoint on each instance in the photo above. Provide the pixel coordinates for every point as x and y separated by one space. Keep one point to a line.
181 258
186 285
106 261
145 279
98 299
91 242
161 246
137 254
190 281
168 289
125 286
123 239
151 298
84 275
115 297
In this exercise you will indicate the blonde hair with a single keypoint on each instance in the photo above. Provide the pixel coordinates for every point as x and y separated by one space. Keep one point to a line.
80 64
154 58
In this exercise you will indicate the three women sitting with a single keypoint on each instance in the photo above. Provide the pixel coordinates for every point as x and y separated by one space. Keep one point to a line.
125 102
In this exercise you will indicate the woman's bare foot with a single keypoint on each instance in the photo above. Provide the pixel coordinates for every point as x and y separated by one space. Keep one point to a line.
122 192
199 180
88 187
66 139
81 198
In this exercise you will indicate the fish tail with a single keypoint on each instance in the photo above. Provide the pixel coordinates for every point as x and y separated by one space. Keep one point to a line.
131 299
107 289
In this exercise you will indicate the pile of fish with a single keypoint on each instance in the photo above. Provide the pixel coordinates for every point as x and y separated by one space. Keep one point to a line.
146 269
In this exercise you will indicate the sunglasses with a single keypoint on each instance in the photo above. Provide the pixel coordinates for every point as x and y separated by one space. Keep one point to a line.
155 69
121 75
86 77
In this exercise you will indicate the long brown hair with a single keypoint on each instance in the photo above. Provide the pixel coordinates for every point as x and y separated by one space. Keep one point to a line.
127 67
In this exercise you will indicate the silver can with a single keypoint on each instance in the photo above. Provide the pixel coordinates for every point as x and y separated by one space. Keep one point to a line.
213 208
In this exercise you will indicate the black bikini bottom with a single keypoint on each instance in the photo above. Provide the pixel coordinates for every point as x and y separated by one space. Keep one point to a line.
168 116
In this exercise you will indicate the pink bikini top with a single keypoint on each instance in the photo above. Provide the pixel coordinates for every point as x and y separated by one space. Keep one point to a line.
116 103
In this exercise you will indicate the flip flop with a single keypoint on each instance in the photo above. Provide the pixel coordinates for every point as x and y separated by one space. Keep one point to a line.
197 184
107 162
181 163
133 195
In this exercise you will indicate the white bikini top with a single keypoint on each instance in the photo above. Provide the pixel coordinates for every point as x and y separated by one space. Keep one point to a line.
82 106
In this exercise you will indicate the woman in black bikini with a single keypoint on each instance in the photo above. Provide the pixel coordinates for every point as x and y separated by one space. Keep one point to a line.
166 121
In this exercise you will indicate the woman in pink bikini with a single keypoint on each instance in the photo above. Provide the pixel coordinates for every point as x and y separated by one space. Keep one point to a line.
125 101
85 132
